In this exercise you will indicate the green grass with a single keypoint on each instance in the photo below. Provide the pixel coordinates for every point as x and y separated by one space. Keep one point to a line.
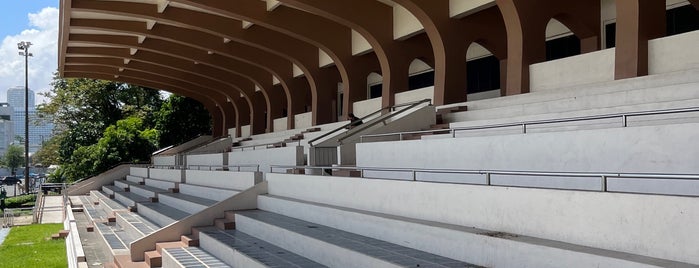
31 246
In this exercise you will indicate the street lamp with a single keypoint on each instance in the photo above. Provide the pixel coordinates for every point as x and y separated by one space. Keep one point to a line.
24 51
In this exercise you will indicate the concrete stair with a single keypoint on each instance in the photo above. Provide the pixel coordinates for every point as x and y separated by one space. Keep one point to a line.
333 247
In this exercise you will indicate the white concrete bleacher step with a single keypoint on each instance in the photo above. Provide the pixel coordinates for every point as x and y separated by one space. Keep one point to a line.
160 214
109 190
238 249
190 257
334 247
626 85
459 242
129 199
582 103
185 202
135 224
108 205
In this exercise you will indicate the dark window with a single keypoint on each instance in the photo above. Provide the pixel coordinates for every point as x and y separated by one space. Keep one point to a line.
682 19
610 35
375 91
562 47
422 80
483 74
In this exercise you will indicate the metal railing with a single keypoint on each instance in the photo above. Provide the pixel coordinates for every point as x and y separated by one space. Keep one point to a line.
412 174
623 117
237 168
367 125
264 145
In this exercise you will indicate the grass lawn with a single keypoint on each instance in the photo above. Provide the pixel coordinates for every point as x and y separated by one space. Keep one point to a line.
31 246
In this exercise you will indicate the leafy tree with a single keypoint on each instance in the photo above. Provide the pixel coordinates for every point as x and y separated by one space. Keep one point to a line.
14 158
180 119
48 153
84 108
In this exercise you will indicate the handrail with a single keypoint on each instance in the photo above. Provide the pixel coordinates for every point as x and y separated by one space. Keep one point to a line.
411 104
256 166
603 176
624 122
253 146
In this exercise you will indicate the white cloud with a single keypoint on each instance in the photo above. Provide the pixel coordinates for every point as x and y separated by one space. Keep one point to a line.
44 37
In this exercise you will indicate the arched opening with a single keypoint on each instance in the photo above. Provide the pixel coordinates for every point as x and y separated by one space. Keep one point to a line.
561 42
420 75
374 82
482 73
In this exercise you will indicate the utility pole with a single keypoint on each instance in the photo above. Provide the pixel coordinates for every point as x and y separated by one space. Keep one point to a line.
24 51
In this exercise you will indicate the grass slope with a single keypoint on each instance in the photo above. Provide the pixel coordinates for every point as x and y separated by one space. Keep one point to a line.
31 246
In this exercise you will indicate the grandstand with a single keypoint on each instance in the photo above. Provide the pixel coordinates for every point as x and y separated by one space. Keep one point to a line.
506 133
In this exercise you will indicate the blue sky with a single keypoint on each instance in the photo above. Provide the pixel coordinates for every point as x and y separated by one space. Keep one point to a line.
28 20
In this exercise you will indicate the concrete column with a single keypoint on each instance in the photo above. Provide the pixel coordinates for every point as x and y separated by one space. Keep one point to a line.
637 22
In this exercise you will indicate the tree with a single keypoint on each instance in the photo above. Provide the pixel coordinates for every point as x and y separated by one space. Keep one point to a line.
14 158
48 153
180 119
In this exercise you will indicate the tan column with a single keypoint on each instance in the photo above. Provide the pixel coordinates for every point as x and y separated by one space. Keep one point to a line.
637 22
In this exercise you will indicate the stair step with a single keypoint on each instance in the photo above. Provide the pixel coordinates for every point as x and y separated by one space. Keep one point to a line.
153 259
124 261
224 224
160 246
189 241
190 257
334 247
239 249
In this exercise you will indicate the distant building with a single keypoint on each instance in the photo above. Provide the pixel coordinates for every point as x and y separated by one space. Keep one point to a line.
6 127
39 132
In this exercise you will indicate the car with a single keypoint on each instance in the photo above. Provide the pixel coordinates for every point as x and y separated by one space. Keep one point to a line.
10 180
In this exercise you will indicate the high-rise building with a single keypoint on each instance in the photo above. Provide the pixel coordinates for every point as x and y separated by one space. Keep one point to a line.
15 98
38 131
6 127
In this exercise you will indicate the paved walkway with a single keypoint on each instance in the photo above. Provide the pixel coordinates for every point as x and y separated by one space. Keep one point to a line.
52 209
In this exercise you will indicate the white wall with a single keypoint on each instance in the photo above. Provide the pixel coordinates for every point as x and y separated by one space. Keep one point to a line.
164 160
366 107
657 226
279 124
205 161
627 150
173 175
673 53
459 8
245 131
290 156
359 44
405 24
139 172
223 179
587 68
303 121
415 95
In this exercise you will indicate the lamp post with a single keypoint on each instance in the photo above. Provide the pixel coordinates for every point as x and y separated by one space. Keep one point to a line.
24 51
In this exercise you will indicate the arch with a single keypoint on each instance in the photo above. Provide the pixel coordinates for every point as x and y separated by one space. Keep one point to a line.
484 77
561 41
420 74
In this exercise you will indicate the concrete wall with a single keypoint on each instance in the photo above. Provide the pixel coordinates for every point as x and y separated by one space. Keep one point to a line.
223 179
303 121
292 156
460 8
405 24
205 161
657 226
587 68
359 44
279 124
165 160
173 175
139 172
673 53
366 107
415 95
627 150
245 131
